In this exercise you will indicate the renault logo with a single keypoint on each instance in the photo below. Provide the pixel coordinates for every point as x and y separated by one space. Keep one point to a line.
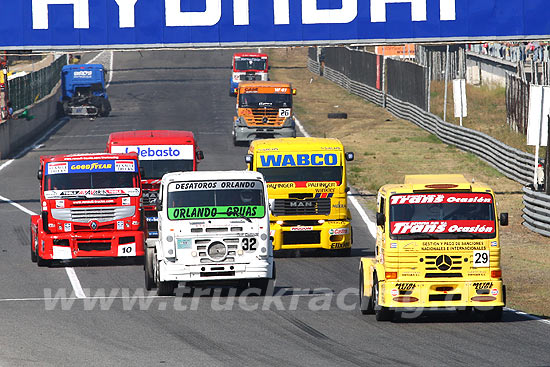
93 225
443 262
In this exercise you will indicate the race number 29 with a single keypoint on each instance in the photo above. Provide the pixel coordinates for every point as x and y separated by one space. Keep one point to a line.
481 259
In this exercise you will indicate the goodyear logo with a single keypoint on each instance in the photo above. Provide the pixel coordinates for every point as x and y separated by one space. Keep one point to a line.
100 166
91 167
292 160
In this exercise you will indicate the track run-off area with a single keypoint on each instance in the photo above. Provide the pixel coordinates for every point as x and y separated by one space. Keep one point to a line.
97 312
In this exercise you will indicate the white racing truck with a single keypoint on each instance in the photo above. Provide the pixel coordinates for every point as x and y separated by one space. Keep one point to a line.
213 228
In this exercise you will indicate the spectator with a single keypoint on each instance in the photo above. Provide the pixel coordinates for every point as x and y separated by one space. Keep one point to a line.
10 110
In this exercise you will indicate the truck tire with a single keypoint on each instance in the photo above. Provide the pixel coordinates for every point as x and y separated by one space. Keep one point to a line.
345 252
104 107
262 284
337 115
365 303
60 110
493 314
166 288
33 250
382 313
148 269
41 262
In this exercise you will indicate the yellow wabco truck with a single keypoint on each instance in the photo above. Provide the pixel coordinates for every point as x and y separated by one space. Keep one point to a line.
307 189
437 246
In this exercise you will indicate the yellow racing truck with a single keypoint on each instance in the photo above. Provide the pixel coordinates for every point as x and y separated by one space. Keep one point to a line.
437 246
307 189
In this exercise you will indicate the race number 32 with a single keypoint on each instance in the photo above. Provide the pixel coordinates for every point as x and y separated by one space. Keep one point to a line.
249 244
481 259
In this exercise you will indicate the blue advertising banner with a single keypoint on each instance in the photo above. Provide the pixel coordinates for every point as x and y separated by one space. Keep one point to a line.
80 24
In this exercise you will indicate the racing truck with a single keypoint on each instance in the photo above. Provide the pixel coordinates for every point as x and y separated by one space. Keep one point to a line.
264 110
159 152
83 92
307 187
213 229
90 207
248 66
437 246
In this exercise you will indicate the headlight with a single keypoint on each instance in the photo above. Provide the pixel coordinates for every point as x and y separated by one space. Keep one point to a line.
241 121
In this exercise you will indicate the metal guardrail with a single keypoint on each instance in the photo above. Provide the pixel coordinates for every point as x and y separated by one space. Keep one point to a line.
511 162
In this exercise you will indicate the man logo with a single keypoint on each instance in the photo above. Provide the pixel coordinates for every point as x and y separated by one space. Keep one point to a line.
93 225
301 204
443 262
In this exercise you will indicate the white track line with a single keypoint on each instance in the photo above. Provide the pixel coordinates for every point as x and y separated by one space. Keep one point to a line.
372 229
77 287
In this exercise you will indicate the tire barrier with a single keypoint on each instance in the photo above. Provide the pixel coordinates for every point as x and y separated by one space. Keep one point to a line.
513 163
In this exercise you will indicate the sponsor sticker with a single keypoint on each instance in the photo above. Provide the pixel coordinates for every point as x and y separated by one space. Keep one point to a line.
125 166
441 198
60 204
393 245
56 168
67 227
120 225
443 226
158 152
184 243
394 292
248 211
301 229
214 185
494 292
125 201
295 160
494 244
338 231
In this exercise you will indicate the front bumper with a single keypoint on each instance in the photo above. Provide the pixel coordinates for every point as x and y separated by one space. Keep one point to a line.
331 235
442 294
245 133
65 246
173 271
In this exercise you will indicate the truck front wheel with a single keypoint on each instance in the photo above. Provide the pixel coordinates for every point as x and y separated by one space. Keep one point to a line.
382 313
365 303
34 246
262 284
148 267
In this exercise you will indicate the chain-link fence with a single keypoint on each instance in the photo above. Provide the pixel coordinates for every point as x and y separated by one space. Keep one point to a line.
26 90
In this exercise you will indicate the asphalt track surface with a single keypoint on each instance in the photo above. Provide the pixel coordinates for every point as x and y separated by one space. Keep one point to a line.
112 320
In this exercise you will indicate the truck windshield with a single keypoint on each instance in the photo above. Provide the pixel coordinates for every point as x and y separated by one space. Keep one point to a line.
250 63
155 169
216 199
442 216
96 180
259 100
303 174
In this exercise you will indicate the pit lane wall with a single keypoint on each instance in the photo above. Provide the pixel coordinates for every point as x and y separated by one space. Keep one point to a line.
513 163
16 133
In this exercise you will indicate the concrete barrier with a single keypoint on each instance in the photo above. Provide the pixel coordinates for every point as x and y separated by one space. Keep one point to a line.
16 133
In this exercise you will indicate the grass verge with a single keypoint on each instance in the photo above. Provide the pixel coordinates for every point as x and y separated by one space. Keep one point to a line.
386 148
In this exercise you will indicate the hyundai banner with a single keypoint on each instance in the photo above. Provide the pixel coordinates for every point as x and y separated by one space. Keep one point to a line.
80 24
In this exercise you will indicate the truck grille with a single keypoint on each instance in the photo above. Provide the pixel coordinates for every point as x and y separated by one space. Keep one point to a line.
264 117
150 197
301 207
203 248
91 245
443 266
100 214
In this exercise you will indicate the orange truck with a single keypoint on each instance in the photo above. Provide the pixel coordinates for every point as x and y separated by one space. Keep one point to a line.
264 110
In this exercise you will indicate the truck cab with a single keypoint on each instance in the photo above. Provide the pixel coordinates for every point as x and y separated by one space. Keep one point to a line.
90 207
213 229
264 110
437 246
248 66
159 152
307 187
83 91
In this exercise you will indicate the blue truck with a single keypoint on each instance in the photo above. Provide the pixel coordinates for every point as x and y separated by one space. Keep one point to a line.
83 91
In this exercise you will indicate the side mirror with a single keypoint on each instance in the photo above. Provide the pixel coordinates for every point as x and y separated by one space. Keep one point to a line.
350 156
503 219
158 205
248 159
380 219
348 189
39 175
294 91
200 155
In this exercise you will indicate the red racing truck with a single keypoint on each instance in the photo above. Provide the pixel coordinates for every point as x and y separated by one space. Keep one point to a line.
159 152
90 207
